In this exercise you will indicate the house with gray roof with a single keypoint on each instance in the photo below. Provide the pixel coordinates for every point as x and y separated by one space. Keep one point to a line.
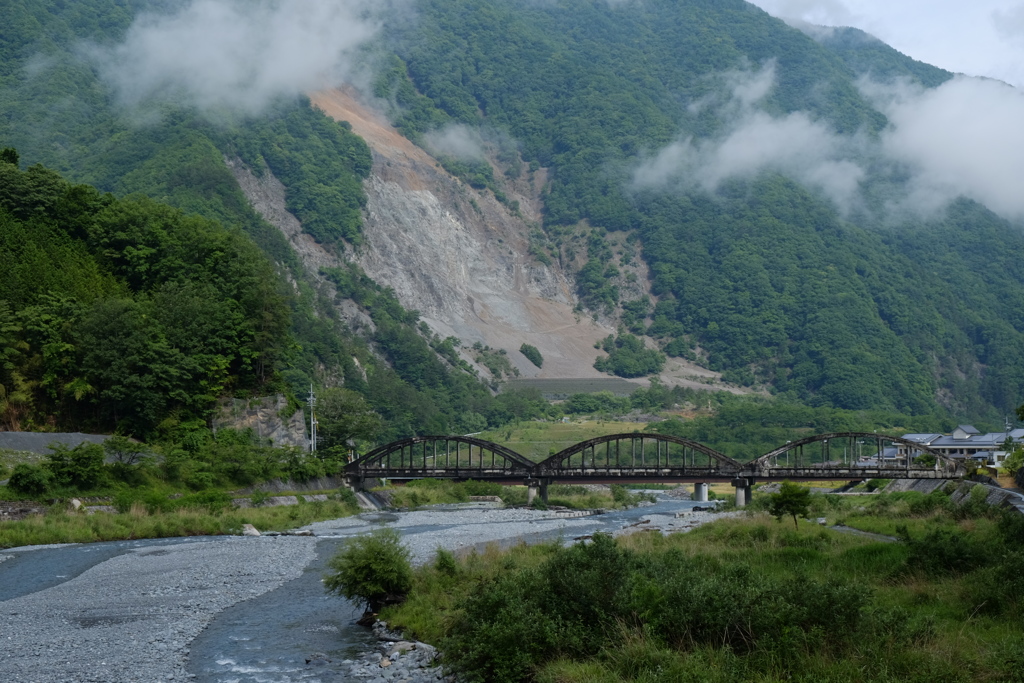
967 443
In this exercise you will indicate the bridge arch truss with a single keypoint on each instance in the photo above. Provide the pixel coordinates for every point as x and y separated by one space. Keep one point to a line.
864 454
442 457
643 455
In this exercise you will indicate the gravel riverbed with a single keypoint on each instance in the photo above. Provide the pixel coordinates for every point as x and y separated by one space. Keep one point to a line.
134 615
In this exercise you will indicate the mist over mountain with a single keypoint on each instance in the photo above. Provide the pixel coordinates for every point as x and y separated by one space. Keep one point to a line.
816 215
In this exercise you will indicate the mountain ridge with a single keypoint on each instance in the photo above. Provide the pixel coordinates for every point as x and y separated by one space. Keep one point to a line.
760 275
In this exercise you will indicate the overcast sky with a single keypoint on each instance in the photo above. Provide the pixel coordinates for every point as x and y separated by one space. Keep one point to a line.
974 37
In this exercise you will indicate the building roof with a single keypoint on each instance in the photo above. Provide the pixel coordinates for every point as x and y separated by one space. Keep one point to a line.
976 440
924 439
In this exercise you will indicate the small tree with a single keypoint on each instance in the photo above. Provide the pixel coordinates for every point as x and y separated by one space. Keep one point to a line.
532 354
373 568
790 500
122 450
30 480
1014 461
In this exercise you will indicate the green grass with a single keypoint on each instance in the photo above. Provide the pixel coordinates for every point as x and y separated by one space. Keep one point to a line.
9 458
539 440
424 492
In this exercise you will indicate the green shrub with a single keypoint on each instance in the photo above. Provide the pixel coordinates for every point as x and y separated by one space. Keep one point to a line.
503 630
79 468
346 496
482 488
374 569
210 500
29 480
583 599
153 501
445 562
943 551
532 354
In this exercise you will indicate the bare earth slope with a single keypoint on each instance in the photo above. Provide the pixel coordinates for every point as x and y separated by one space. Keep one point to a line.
466 269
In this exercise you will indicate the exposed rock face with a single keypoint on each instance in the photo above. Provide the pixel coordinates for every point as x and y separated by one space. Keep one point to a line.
263 417
460 257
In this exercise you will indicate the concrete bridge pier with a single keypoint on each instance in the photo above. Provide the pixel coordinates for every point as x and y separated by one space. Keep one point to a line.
744 491
535 487
700 492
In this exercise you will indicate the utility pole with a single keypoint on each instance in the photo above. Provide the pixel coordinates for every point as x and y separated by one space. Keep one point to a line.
312 420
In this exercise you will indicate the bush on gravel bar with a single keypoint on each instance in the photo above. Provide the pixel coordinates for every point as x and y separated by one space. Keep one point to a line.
374 569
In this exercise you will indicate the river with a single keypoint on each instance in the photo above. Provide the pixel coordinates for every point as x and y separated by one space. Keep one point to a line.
232 609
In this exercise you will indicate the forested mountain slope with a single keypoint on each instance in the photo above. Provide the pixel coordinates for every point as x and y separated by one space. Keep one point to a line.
787 269
58 111
747 163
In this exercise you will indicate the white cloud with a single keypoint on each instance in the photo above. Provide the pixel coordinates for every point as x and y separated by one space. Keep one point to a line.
820 12
236 54
962 138
456 140
981 37
755 141
1009 23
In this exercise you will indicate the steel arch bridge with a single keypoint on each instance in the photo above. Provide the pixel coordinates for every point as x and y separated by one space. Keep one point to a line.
653 457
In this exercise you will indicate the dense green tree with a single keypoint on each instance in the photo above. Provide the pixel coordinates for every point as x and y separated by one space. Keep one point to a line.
792 499
344 417
628 357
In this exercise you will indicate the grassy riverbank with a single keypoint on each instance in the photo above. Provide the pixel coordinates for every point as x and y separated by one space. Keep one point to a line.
740 599
61 526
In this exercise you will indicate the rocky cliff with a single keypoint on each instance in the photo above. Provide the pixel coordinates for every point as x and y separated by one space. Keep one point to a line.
267 417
